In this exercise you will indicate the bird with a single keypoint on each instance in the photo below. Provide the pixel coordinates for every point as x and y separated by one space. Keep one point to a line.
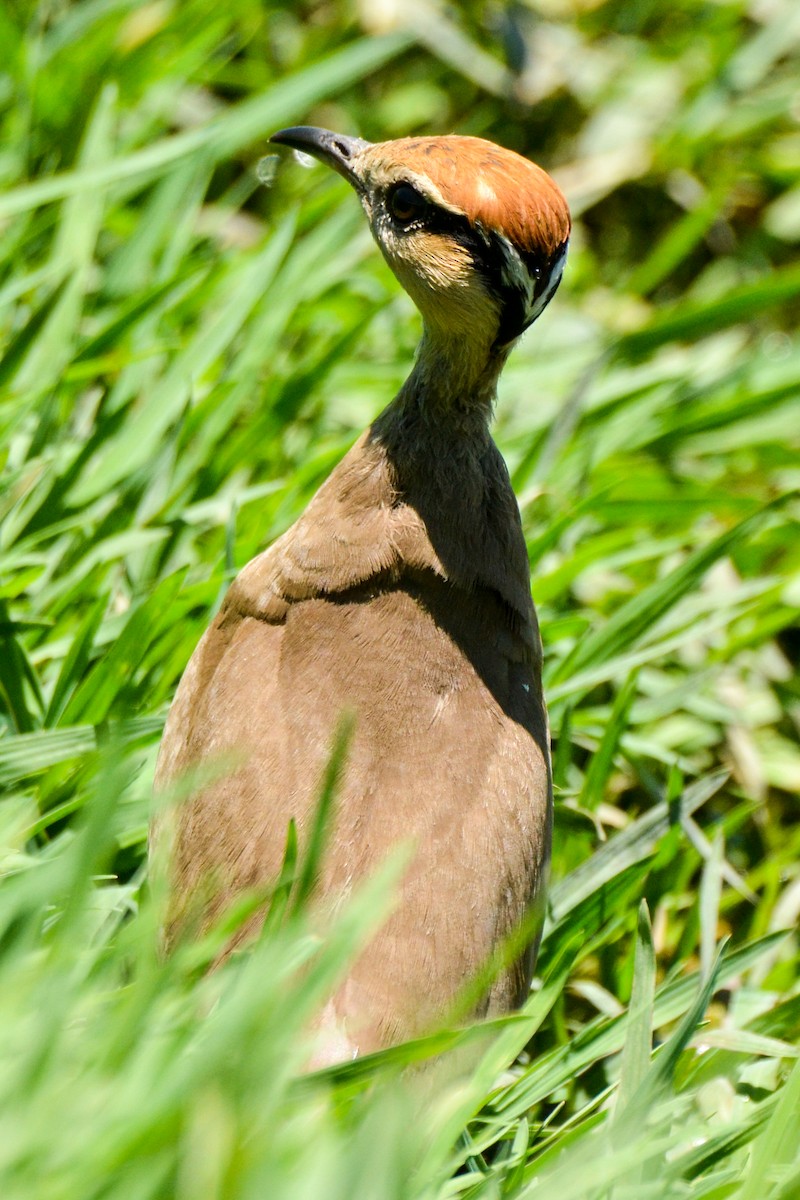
401 595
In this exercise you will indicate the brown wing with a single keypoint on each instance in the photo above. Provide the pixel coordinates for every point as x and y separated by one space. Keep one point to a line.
237 698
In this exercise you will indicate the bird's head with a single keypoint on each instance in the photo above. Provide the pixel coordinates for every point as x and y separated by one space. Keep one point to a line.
476 234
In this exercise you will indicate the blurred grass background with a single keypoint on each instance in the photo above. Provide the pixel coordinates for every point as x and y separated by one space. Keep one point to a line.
185 354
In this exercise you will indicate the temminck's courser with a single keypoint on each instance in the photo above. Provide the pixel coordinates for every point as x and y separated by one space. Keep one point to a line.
403 595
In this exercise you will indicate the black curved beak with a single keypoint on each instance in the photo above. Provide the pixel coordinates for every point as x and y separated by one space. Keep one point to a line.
334 149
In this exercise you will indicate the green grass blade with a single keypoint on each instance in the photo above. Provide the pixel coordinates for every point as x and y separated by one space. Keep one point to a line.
224 136
641 613
638 1039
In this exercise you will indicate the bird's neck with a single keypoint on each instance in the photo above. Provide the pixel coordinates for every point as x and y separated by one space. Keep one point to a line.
435 433
453 383
447 487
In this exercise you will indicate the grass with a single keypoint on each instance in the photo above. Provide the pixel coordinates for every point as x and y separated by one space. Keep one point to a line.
185 355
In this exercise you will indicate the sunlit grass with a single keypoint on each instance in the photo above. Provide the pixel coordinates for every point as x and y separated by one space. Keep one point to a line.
185 356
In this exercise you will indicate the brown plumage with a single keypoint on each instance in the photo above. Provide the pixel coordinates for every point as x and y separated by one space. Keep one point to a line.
403 595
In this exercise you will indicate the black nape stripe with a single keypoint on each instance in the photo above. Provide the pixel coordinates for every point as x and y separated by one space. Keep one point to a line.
524 302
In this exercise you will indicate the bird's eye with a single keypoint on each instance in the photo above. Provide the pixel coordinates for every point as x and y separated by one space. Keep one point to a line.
406 204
